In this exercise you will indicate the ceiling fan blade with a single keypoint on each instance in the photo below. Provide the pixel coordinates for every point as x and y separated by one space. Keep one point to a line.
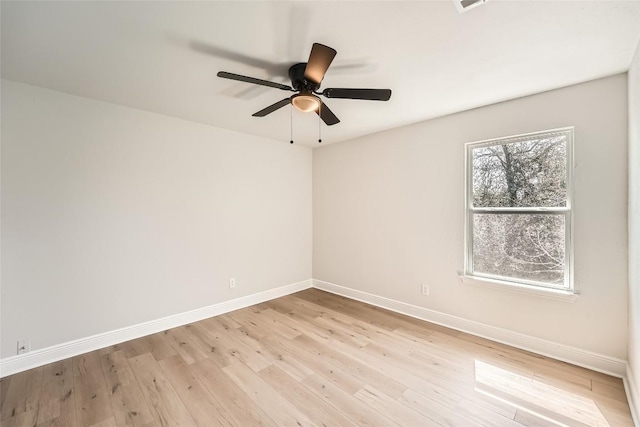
367 94
318 63
327 115
219 52
253 80
271 108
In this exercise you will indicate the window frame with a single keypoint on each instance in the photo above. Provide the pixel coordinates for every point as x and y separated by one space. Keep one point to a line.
566 211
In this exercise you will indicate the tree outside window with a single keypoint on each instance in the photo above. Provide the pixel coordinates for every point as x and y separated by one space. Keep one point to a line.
518 209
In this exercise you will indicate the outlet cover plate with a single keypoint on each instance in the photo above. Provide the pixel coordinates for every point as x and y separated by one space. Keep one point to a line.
24 346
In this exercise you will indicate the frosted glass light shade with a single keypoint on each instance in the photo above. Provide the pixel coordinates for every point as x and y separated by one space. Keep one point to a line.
306 102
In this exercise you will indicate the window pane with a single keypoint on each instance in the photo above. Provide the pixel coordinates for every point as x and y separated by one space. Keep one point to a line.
520 246
526 173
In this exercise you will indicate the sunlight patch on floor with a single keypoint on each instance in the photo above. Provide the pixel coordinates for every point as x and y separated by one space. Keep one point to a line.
537 397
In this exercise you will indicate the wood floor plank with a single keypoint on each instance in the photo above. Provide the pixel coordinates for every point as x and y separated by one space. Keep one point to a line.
275 322
334 333
440 375
271 347
315 310
544 397
609 389
159 347
4 386
273 403
341 365
447 392
57 400
416 382
161 398
383 404
248 319
344 330
463 385
525 359
23 394
311 358
462 351
322 366
127 401
533 420
379 317
202 406
244 410
134 347
28 418
350 407
616 417
184 344
287 360
434 410
308 329
111 422
486 413
292 304
208 338
225 321
92 397
260 354
244 351
306 401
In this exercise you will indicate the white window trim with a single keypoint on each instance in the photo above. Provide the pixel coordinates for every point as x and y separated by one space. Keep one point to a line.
566 295
568 292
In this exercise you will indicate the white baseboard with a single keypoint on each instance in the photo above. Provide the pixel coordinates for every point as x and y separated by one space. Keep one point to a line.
33 359
631 389
565 353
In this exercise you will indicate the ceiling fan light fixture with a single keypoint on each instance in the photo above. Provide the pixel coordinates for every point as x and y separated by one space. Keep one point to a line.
306 102
305 81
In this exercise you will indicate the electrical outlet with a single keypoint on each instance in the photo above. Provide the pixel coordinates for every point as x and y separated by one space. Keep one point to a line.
425 289
24 346
232 282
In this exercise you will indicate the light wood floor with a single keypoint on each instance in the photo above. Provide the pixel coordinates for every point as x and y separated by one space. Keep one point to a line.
311 358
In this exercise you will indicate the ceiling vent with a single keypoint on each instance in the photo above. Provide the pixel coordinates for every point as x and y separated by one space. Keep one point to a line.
464 5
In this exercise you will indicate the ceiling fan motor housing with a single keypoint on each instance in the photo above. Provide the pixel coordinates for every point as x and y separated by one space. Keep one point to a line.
298 82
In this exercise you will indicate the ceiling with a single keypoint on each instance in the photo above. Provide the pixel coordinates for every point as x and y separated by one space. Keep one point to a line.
164 56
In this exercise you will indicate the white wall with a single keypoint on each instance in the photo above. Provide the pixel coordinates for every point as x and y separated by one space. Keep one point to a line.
113 216
634 221
388 215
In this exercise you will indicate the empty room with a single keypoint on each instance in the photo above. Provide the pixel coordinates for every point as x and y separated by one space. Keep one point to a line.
320 213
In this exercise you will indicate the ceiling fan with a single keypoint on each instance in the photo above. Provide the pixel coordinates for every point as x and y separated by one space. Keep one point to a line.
305 80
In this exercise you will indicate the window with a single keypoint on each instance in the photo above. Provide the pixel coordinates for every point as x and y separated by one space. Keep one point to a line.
518 209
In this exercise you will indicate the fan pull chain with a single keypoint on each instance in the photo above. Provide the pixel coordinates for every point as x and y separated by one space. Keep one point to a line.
291 112
319 124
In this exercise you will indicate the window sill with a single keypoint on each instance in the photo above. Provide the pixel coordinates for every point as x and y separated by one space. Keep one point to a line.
556 294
